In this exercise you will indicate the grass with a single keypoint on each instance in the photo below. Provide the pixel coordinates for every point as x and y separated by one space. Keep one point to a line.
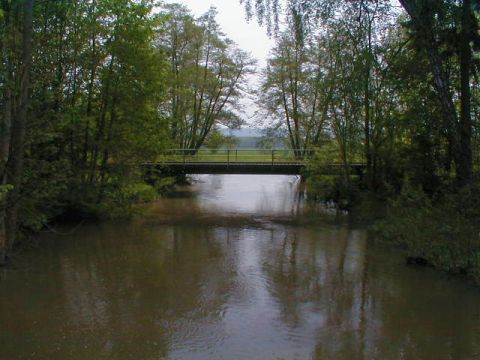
241 155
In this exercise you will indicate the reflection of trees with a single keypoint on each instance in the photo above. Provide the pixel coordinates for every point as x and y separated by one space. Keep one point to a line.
183 203
304 270
298 189
418 314
359 307
288 198
131 292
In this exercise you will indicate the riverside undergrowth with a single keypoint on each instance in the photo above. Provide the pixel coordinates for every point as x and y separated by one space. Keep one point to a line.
440 229
443 231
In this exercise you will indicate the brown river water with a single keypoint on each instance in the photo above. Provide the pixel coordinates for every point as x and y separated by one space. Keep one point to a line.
231 267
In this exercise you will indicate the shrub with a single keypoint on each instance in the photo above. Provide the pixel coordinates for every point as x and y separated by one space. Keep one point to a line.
443 233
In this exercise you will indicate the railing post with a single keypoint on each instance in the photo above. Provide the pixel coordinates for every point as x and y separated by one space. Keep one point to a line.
236 154
228 157
273 156
184 156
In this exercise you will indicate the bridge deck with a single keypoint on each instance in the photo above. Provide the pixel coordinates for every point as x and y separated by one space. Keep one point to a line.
287 168
290 168
242 161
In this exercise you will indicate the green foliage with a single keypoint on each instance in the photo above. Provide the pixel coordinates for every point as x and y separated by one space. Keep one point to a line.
296 87
272 138
161 183
121 201
322 188
399 81
231 142
113 83
98 82
215 140
207 76
4 189
46 193
339 189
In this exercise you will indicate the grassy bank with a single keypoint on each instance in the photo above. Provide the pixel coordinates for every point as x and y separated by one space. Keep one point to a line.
235 155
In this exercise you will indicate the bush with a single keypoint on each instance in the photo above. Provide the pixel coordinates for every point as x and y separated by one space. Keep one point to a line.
122 201
340 189
321 188
443 233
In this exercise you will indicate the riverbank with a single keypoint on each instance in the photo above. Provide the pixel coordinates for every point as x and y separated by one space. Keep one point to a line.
440 230
443 232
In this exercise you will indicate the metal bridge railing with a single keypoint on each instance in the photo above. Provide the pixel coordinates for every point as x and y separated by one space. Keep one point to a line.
273 156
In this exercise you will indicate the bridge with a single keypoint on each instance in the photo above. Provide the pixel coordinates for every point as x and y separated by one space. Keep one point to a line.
242 161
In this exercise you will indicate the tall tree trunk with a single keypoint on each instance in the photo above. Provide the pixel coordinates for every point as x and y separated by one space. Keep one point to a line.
93 73
4 154
106 154
366 100
422 19
74 86
100 134
5 126
19 124
367 107
464 170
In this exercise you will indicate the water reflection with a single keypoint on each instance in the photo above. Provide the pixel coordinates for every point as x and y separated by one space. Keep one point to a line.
173 285
251 194
124 288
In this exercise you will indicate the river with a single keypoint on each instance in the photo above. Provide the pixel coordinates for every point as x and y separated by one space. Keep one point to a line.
231 267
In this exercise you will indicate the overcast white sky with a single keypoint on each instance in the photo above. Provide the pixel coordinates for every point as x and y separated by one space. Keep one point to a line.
231 16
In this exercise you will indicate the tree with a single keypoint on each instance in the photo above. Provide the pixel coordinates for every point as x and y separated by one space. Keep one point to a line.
299 84
432 22
16 63
215 140
328 80
447 31
207 76
74 133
